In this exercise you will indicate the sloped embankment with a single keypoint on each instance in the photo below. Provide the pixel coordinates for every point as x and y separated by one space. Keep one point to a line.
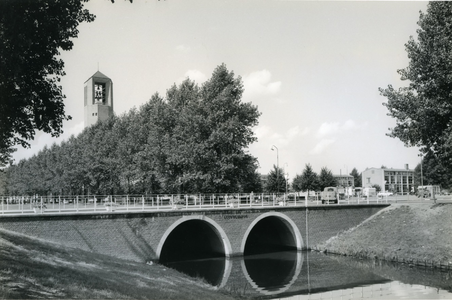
417 234
32 268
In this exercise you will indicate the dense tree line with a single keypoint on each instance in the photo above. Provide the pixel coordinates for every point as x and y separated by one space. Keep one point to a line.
309 180
193 140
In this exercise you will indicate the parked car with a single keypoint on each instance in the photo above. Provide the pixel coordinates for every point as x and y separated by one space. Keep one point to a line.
384 194
329 194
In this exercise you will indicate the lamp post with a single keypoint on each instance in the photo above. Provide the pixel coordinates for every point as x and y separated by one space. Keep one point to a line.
277 167
422 180
286 177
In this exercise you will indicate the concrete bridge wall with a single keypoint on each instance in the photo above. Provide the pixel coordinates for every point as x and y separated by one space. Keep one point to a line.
141 236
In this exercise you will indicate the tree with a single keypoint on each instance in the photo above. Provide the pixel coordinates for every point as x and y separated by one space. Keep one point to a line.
433 173
3 182
423 109
212 130
251 183
307 181
32 33
357 177
276 183
377 187
326 178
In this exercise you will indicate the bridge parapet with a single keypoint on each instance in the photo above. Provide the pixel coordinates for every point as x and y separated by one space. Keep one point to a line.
10 205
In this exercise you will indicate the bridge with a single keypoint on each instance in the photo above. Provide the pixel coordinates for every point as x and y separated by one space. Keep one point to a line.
170 234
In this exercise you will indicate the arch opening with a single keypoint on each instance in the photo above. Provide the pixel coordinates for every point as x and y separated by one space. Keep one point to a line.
195 247
192 240
270 234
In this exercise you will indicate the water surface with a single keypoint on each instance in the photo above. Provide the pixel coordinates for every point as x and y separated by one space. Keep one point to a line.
311 275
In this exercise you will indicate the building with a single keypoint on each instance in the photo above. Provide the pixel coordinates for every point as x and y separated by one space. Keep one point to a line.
390 180
344 180
98 99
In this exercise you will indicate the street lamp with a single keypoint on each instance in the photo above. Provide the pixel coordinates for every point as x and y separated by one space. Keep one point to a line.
422 180
286 177
277 167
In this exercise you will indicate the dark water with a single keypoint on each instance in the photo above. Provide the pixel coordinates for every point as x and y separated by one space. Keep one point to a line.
310 275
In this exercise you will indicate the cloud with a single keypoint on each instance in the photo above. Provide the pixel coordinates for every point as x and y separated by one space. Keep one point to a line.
183 48
321 146
329 132
295 132
261 131
327 129
332 128
259 83
280 140
349 125
195 75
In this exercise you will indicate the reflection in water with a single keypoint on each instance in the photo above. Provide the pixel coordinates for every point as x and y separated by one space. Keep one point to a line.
271 271
308 275
212 270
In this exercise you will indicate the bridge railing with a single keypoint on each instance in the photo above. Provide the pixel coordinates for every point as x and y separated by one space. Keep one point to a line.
152 202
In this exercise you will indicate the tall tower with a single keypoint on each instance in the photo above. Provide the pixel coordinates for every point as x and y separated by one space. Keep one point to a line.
98 98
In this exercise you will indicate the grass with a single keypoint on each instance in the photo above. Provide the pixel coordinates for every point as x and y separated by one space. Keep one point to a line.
32 268
412 233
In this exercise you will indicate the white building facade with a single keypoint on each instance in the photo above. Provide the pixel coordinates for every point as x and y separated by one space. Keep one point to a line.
390 180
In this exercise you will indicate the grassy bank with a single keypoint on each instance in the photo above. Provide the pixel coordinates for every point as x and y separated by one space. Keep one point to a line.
417 234
32 268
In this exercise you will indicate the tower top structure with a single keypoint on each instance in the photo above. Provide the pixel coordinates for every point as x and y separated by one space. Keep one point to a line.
98 98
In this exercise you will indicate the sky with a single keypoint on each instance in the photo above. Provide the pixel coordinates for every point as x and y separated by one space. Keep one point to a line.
313 69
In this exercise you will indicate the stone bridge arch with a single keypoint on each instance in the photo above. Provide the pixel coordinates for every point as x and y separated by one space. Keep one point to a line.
216 231
286 229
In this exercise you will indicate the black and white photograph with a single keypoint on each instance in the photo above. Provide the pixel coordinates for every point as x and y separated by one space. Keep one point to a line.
225 149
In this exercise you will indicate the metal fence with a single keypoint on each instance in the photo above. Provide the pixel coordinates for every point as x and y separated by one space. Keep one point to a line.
124 203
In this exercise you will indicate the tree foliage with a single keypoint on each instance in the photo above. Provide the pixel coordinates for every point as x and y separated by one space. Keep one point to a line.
307 181
193 140
377 187
423 109
276 181
357 177
32 34
326 179
433 173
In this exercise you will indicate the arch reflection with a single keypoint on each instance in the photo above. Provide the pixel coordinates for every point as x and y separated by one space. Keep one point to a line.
272 273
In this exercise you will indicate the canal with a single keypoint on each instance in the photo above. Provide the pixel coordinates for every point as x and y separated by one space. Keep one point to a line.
313 275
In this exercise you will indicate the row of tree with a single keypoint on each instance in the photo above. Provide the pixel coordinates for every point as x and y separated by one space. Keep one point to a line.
194 140
308 180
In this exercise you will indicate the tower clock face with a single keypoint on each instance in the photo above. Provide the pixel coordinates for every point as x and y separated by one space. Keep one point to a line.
99 93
